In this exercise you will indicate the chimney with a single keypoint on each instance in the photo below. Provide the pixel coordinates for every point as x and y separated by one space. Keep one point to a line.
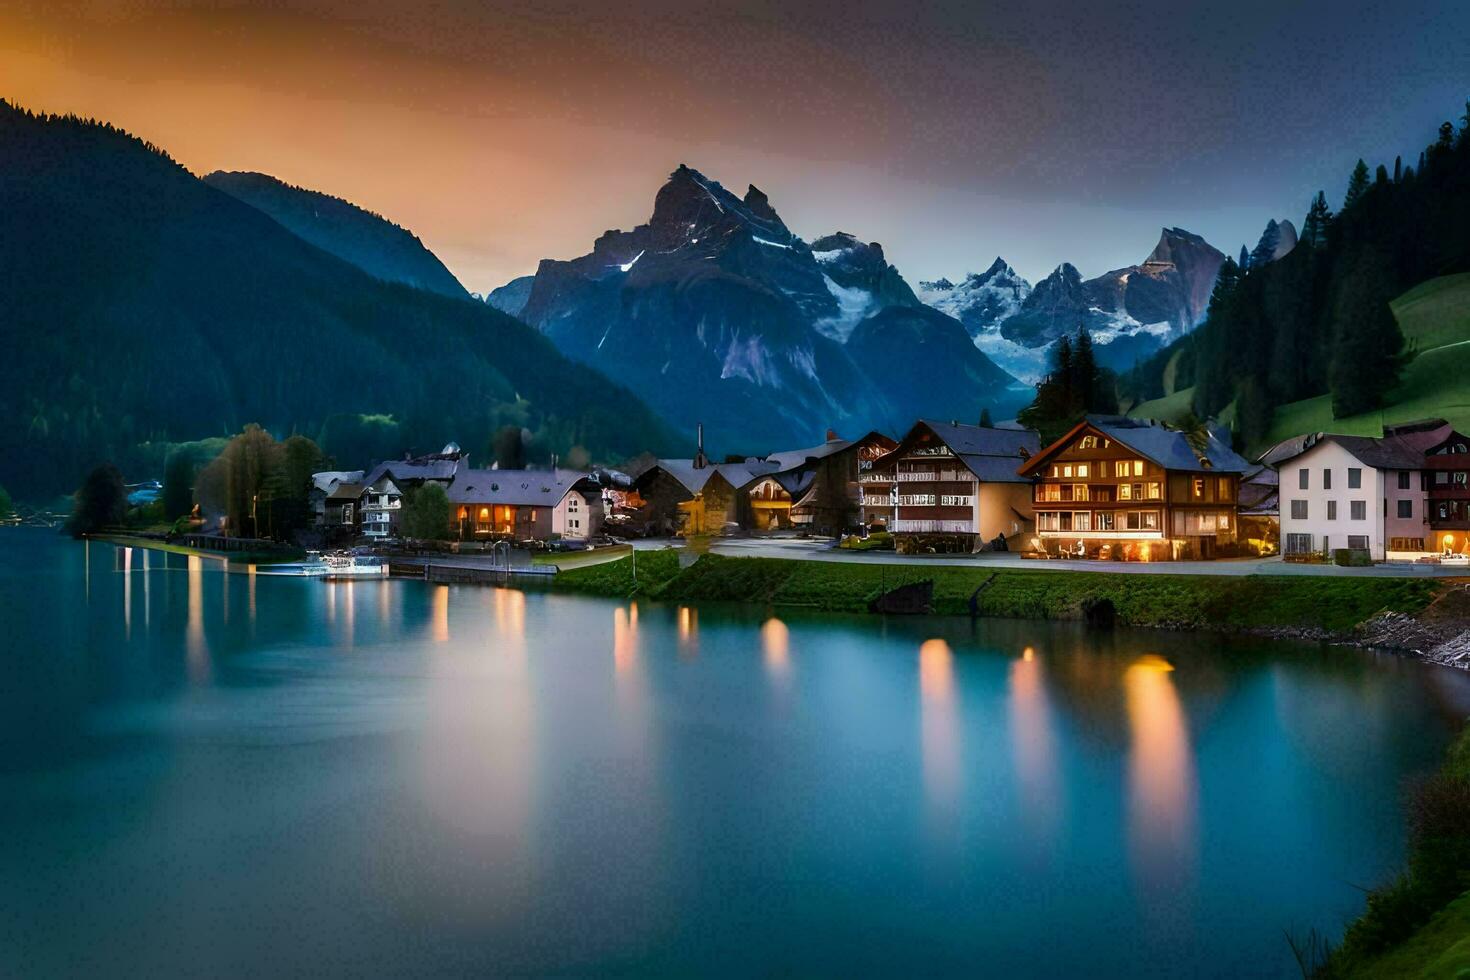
832 435
700 461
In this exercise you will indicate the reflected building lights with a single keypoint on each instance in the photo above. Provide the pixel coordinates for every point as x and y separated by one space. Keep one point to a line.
940 724
1161 781
439 614
127 562
775 645
688 631
1034 749
625 640
194 633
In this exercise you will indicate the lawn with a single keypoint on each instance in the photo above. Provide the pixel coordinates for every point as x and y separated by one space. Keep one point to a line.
1170 408
1188 601
1435 319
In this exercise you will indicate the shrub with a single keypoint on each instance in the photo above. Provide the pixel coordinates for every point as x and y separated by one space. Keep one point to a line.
1351 557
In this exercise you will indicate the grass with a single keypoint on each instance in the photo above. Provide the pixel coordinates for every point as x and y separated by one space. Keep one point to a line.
1435 319
1167 409
1419 924
1182 601
576 559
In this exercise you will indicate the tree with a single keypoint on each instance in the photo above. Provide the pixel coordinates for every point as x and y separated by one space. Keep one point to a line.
1366 342
1317 223
1357 185
1265 248
426 513
1398 169
259 486
509 448
1380 176
1245 259
102 501
985 422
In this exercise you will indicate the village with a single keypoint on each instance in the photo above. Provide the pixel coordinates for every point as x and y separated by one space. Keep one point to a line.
1111 489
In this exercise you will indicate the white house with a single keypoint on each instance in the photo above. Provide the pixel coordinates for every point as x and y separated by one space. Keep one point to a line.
1358 492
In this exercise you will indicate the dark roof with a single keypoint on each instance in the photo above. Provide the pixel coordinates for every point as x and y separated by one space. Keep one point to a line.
1402 446
532 488
694 478
792 458
993 455
1170 448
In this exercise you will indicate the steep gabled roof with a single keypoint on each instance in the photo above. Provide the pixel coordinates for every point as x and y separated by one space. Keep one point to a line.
991 454
524 488
1401 447
694 478
1169 448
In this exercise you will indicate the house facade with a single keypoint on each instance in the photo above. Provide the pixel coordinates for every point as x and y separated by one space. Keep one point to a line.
819 485
944 480
523 505
1401 496
1131 489
379 508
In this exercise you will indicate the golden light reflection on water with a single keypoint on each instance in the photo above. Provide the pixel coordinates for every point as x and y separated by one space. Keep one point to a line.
198 663
625 640
688 631
147 590
510 620
940 723
1161 781
1034 748
439 614
775 645
349 606
250 573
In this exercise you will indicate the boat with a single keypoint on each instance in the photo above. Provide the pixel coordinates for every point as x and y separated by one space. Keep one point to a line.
344 566
312 567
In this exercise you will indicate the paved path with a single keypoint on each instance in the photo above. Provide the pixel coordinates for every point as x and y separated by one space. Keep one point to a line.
798 548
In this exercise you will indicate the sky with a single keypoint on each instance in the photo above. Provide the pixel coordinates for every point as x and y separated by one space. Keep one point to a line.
505 132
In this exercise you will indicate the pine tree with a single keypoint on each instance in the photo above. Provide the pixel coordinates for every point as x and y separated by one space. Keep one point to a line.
1316 224
1380 176
1245 259
1084 383
1266 247
1357 185
1366 341
1398 169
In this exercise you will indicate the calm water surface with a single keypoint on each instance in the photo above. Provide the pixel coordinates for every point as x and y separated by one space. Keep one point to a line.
214 774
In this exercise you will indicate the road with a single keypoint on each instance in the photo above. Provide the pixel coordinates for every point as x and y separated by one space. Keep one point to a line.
797 548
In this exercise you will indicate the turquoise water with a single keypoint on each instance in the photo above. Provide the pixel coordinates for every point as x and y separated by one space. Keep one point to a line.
220 774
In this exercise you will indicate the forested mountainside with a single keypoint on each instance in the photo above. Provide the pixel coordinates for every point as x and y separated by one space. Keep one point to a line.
142 305
1317 321
367 240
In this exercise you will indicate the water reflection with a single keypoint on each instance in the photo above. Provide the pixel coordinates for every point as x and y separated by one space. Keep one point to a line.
1033 749
439 614
775 643
1161 783
625 640
688 631
127 568
940 723
198 653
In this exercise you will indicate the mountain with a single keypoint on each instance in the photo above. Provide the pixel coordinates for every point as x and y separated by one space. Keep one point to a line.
511 298
369 241
1130 312
143 305
1276 242
718 312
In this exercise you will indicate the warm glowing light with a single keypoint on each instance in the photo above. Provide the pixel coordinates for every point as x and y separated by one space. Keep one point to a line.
127 593
1033 750
1028 654
775 642
688 629
510 618
1161 787
939 726
194 634
625 641
439 614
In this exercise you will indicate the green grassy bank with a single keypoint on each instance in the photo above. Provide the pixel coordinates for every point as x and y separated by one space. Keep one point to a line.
1419 924
1178 601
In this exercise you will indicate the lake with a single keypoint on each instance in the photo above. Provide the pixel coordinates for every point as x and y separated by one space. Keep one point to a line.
214 774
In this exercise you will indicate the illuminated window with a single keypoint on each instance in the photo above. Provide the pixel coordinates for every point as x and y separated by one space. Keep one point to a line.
1125 491
1067 470
1087 442
1081 469
1199 489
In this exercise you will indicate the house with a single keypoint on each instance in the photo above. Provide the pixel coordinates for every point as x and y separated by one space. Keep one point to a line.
378 508
954 486
331 491
819 486
697 496
1259 511
412 472
1117 487
1384 495
524 505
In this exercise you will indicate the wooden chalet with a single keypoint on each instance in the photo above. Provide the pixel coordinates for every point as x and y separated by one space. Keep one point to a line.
1116 487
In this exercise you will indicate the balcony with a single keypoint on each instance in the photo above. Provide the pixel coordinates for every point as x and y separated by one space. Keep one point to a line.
932 527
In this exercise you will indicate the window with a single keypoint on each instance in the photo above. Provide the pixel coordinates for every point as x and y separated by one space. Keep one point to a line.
1355 478
1406 508
1302 480
1105 520
1358 542
1047 521
1326 480
1087 442
1081 469
1358 510
1198 489
1405 544
1125 491
1079 491
1154 491
1331 510
1298 544
1403 479
1441 478
1143 520
1299 509
1223 488
1067 470
1082 521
